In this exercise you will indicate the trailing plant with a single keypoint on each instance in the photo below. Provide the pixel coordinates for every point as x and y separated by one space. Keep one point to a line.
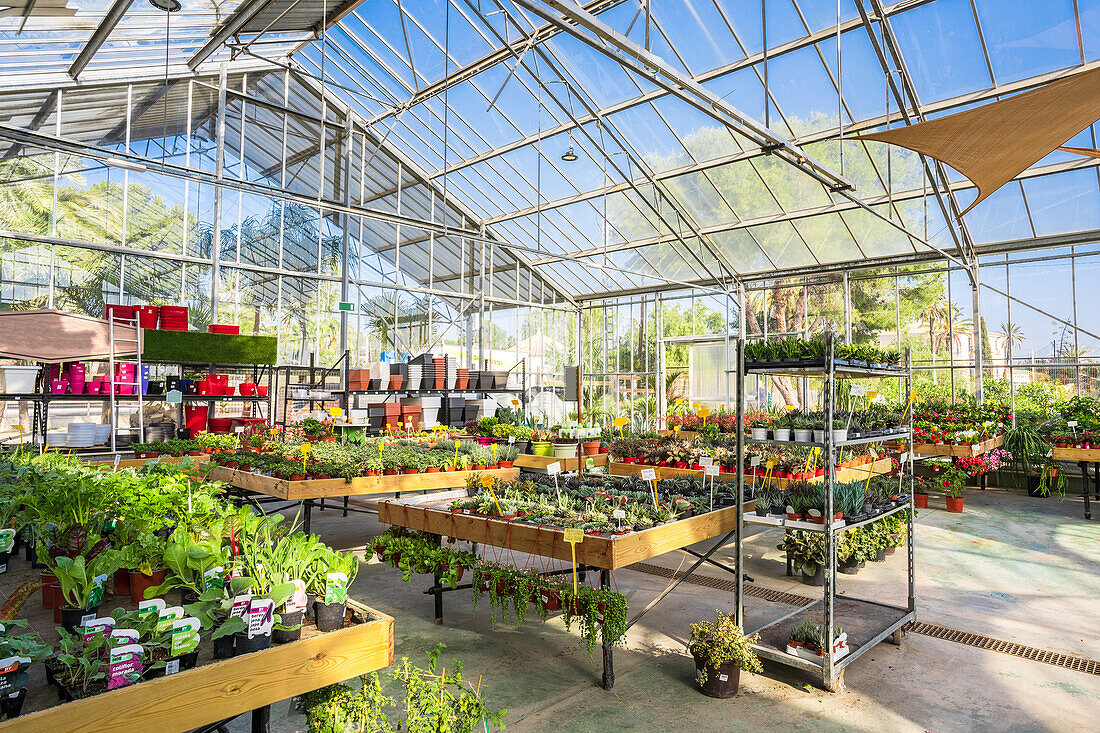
722 641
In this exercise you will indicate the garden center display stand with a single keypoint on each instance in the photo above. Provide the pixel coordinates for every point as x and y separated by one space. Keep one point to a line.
1083 457
596 552
866 622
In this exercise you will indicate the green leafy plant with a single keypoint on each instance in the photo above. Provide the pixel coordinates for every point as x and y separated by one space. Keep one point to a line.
721 641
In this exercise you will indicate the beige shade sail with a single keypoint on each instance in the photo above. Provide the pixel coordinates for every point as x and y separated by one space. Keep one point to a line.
53 337
994 143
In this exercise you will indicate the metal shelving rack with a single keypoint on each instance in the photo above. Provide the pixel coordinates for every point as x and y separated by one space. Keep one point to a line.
881 620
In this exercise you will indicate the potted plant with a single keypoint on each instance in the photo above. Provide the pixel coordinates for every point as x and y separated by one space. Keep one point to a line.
758 425
143 556
83 583
331 574
542 443
807 553
920 492
507 455
953 480
26 649
721 650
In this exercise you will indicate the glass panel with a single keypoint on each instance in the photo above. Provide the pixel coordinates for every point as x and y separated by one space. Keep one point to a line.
1026 39
940 44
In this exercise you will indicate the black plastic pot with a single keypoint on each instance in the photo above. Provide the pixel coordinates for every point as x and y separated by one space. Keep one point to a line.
12 704
155 388
722 681
329 616
1033 486
816 579
880 555
70 617
310 599
4 557
244 645
224 648
850 567
187 661
188 596
288 619
172 383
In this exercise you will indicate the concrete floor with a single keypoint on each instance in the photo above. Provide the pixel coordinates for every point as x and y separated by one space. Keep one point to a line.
1016 568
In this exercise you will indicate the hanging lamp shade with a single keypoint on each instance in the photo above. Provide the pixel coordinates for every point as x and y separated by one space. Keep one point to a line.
994 143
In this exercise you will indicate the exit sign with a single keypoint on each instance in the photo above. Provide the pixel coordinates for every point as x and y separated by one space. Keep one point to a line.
345 306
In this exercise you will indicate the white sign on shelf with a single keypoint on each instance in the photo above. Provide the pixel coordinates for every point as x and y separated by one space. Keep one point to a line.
618 514
903 458
706 461
859 390
649 474
754 461
710 471
553 468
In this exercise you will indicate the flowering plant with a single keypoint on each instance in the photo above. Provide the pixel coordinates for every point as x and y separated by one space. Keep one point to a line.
952 480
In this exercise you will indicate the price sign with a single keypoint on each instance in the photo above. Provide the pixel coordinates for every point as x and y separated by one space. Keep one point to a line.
872 394
754 461
239 429
788 407
574 536
487 481
859 390
336 411
649 474
511 439
306 448
1072 423
903 458
706 461
620 421
618 514
676 429
771 463
704 413
710 471
515 403
553 468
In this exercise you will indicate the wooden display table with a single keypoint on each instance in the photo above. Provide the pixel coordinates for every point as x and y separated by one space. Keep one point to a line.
308 491
603 552
210 693
539 463
959 451
1083 457
854 473
108 464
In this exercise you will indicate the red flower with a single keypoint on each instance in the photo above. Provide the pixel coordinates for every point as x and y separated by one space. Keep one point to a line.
946 483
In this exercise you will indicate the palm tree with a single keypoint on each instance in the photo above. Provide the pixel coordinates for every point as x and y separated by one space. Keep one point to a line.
1013 336
936 313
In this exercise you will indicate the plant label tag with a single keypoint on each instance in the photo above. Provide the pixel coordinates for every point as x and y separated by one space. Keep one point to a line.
124 666
153 606
87 619
239 429
7 540
771 462
874 454
859 390
553 468
1072 423
649 474
336 587
620 421
511 439
573 535
118 457
185 635
240 606
213 578
172 666
261 617
120 637
618 514
723 678
706 461
95 626
167 617
174 397
99 585
710 471
754 461
297 601
903 458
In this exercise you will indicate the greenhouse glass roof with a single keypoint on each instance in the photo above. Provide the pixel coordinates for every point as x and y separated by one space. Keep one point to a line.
487 101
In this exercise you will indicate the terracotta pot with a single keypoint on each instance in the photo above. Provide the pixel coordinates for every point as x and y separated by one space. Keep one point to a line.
390 472
591 447
433 469
140 582
954 504
551 599
408 470
47 590
122 582
920 501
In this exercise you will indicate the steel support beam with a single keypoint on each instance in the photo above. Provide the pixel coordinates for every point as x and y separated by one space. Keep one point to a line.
233 24
110 19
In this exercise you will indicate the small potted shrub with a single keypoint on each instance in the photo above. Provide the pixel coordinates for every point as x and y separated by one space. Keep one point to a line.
542 443
953 480
721 651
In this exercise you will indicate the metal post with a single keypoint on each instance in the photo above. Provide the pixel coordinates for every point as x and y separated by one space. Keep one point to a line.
219 174
830 480
346 221
608 653
910 551
739 551
975 291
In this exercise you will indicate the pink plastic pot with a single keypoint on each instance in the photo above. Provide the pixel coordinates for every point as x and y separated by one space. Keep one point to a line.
93 387
58 386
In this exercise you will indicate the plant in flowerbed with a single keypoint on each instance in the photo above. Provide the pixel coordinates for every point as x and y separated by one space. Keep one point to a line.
721 651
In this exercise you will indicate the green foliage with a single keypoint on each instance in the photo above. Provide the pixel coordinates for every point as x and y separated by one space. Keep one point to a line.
721 641
199 346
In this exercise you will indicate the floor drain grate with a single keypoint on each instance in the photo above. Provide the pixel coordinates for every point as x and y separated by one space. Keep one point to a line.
1068 661
1079 664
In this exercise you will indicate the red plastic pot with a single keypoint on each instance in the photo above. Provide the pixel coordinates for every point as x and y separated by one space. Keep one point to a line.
147 315
920 501
954 503
247 389
122 582
140 582
261 390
